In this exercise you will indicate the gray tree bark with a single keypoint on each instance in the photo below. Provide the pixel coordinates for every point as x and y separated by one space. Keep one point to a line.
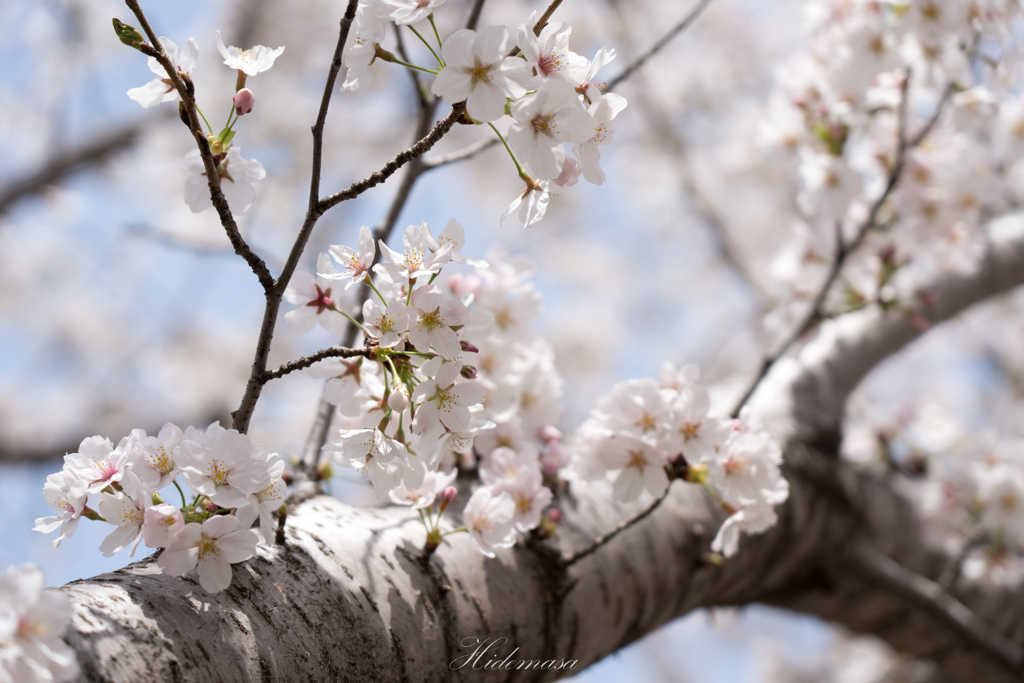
348 598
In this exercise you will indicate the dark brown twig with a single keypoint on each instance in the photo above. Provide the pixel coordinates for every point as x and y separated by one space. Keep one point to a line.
213 179
306 361
569 559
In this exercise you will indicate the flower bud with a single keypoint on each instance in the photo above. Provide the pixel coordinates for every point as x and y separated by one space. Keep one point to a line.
549 433
211 507
469 348
448 497
183 113
398 400
468 371
244 101
555 515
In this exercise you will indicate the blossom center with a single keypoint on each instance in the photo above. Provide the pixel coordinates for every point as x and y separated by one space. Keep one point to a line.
208 547
322 300
219 472
432 320
481 73
543 125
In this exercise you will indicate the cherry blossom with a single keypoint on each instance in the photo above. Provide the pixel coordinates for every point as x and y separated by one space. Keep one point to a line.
126 510
98 463
433 319
31 620
312 296
549 53
152 457
213 547
250 62
64 491
386 325
355 262
445 406
478 71
161 89
366 32
238 178
218 463
404 12
161 525
551 116
489 520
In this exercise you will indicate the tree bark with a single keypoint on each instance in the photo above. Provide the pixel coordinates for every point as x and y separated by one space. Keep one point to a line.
348 598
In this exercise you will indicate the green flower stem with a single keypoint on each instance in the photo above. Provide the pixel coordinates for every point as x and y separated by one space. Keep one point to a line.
413 66
369 281
440 46
519 168
181 493
455 531
204 118
334 307
439 62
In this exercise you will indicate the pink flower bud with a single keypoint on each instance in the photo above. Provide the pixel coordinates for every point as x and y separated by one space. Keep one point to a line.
555 516
469 348
468 371
448 497
549 433
244 101
211 507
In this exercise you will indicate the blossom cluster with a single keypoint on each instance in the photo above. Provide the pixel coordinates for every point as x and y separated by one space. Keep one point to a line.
550 93
237 176
31 620
872 78
647 432
234 482
452 377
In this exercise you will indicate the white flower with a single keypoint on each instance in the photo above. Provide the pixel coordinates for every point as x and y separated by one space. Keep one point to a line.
530 205
422 496
219 465
269 499
752 519
98 462
373 452
549 53
356 262
161 525
404 12
545 120
433 321
489 520
745 470
250 62
152 457
448 406
418 258
477 71
641 466
386 325
160 89
349 383
237 181
366 32
31 620
687 428
312 294
603 109
125 510
214 546
63 491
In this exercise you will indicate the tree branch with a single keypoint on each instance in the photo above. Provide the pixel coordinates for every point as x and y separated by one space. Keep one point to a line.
306 361
929 597
843 251
212 177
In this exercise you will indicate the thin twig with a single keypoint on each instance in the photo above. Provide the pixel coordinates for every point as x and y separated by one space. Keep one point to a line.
254 387
541 23
569 559
843 251
474 14
306 361
212 177
654 49
929 596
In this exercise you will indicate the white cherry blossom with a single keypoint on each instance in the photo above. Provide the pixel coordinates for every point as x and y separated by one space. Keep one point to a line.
238 178
161 89
98 463
66 492
445 407
126 510
250 62
312 296
551 116
31 620
489 520
355 262
478 71
213 547
218 463
152 457
404 12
